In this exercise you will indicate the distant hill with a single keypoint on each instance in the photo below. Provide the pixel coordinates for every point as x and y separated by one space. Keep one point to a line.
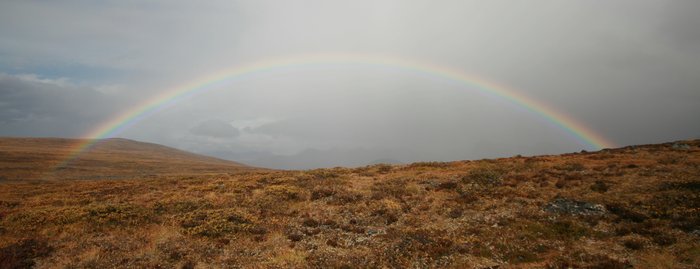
114 158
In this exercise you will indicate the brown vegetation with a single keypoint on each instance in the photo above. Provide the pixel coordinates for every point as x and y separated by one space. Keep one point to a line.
52 158
621 208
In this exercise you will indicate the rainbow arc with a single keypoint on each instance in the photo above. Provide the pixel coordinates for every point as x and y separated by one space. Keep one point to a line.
124 120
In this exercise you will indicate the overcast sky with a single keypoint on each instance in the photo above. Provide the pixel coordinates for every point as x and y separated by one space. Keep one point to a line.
629 70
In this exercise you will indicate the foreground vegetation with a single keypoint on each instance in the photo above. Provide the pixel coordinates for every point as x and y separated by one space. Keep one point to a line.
631 207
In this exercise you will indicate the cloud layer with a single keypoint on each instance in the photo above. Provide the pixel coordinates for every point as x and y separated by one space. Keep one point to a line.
626 69
31 106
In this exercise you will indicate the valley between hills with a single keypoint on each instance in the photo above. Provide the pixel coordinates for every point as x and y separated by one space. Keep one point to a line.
128 204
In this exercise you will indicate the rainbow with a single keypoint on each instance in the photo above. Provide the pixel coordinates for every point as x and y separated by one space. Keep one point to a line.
167 98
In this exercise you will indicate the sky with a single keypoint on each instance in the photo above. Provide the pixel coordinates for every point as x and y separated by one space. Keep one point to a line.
628 70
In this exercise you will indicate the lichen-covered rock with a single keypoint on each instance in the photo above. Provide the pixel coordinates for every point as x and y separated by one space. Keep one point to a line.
573 207
680 146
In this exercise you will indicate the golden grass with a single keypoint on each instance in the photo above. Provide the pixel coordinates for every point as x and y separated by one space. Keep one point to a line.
466 214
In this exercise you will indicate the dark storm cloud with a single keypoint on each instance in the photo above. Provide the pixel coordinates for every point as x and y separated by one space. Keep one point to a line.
30 106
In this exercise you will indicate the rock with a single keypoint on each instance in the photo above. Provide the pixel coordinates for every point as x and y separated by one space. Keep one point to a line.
573 207
680 146
372 232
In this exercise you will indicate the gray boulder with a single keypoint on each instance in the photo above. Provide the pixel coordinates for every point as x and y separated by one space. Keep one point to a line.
573 207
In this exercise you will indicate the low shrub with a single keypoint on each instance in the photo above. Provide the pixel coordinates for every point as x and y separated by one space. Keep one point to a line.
216 223
561 229
624 213
383 168
286 193
181 206
324 173
599 186
322 192
429 165
118 214
571 166
23 253
585 260
36 218
633 243
396 187
485 176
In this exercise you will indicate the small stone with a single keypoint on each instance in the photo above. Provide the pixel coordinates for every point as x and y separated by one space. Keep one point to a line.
573 207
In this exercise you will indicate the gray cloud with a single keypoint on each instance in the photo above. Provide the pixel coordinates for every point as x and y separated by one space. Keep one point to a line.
313 158
215 128
626 69
32 106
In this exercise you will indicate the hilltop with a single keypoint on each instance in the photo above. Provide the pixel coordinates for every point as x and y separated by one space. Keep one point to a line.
636 206
113 158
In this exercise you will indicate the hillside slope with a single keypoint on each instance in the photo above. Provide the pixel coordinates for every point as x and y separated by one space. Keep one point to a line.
115 158
634 207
